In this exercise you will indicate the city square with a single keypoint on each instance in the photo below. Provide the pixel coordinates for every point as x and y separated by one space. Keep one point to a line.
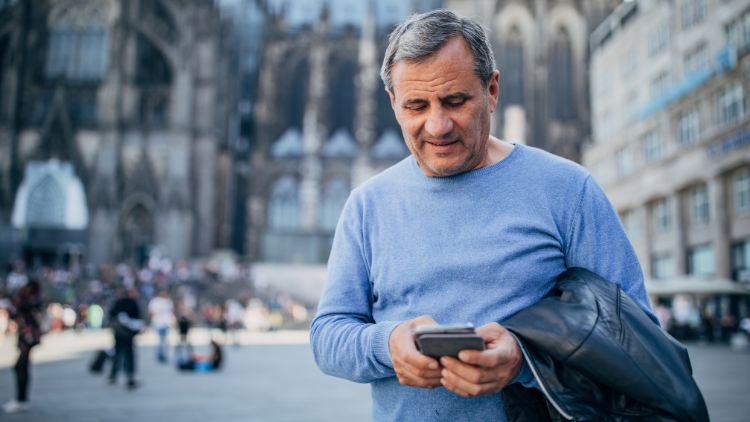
268 377
290 188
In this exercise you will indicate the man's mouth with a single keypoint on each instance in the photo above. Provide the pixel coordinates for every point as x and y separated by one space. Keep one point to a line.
442 144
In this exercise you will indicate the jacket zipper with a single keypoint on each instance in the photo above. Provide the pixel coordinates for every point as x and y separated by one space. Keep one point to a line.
539 381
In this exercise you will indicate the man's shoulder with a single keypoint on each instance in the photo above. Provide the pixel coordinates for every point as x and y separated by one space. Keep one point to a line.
546 162
388 180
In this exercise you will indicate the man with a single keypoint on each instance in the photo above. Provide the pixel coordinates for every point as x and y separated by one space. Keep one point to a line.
469 228
126 322
161 311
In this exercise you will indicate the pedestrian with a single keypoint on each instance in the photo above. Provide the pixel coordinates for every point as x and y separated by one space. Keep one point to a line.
125 319
184 322
161 312
26 311
467 229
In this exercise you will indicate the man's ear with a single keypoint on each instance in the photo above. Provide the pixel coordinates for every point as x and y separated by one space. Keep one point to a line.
493 88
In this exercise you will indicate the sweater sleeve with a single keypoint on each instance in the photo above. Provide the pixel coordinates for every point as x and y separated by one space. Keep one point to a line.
345 339
597 241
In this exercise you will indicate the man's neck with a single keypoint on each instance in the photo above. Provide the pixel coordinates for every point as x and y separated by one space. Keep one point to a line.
497 150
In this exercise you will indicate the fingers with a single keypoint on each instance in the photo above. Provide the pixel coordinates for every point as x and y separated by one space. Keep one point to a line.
469 372
483 372
411 367
465 388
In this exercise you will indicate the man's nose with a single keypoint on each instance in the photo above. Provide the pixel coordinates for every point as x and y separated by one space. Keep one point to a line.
438 123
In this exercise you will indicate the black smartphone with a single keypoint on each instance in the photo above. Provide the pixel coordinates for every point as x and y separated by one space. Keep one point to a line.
447 340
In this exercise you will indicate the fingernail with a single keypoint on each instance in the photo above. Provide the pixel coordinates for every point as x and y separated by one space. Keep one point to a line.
433 365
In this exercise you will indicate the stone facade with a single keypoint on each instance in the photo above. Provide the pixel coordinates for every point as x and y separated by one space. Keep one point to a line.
132 93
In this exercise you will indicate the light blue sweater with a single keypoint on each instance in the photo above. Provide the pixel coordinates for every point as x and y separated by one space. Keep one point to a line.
475 247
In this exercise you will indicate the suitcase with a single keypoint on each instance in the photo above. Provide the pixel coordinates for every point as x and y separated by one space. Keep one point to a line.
97 364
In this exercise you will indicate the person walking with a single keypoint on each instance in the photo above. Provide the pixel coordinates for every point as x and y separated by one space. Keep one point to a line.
126 322
161 312
26 312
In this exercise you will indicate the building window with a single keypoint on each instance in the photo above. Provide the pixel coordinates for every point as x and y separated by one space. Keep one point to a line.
741 261
688 127
624 158
738 31
653 146
659 84
513 61
154 78
283 209
693 12
699 205
662 266
630 65
77 54
696 60
658 39
742 191
632 222
563 100
662 216
701 262
731 107
334 197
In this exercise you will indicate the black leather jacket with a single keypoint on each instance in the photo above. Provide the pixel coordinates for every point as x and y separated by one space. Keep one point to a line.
597 356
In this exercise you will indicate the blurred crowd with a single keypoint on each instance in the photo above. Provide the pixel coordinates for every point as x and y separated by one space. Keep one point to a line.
77 298
708 319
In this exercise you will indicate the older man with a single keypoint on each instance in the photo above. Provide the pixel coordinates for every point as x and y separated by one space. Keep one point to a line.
469 228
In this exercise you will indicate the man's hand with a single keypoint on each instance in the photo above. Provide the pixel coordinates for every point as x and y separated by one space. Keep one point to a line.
476 373
412 368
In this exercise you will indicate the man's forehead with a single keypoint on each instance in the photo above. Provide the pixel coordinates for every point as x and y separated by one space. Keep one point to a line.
449 69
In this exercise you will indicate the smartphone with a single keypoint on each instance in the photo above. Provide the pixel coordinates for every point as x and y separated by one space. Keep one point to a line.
447 340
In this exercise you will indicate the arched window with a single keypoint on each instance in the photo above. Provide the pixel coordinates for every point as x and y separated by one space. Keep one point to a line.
561 82
77 40
297 95
334 198
154 78
342 95
283 207
137 232
46 204
76 54
512 69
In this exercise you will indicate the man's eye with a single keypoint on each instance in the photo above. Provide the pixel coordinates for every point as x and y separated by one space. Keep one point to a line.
455 102
415 107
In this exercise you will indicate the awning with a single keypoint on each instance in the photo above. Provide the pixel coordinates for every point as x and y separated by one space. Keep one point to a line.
696 285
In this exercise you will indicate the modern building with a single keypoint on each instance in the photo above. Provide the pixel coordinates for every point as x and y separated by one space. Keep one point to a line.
671 136
125 99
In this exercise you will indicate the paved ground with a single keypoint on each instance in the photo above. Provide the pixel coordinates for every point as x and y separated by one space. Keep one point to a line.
271 377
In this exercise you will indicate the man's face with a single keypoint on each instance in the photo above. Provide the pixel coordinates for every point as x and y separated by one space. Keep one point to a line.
444 110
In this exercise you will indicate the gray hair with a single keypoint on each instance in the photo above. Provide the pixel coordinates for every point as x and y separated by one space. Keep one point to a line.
422 35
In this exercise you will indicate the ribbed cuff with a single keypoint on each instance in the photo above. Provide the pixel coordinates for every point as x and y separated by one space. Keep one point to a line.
380 341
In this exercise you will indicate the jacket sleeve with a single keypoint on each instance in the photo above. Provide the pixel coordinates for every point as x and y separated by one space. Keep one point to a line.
345 339
597 241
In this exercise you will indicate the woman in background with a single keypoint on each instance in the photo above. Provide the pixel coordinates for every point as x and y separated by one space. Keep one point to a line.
26 312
